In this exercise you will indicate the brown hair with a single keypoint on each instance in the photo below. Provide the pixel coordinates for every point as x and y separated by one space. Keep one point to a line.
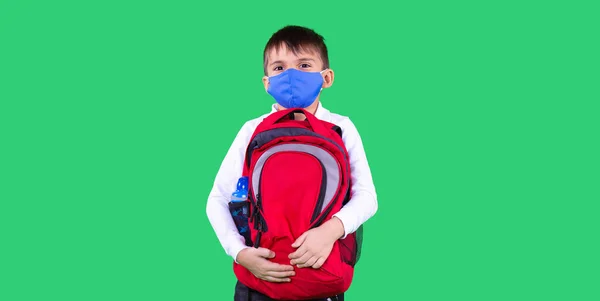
296 39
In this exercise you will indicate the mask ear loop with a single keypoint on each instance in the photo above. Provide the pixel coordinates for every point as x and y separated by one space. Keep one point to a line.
323 79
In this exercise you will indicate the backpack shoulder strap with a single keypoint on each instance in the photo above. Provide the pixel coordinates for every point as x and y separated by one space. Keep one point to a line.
338 130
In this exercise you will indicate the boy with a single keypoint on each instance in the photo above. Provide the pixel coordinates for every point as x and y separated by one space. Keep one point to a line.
296 67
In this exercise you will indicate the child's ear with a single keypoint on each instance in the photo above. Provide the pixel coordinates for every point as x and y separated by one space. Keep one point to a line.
328 76
265 80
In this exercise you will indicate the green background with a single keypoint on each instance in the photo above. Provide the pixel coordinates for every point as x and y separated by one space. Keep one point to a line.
479 119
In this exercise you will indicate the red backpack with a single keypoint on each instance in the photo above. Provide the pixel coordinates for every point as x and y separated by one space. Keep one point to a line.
298 177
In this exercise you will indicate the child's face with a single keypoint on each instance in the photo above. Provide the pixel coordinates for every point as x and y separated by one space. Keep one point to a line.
281 59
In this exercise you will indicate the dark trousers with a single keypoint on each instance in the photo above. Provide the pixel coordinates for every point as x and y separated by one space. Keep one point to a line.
244 293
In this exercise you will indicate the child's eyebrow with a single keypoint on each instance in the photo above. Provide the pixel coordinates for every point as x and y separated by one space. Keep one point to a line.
276 63
305 59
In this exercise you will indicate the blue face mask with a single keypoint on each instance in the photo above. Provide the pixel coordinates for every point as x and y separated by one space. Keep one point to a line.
294 88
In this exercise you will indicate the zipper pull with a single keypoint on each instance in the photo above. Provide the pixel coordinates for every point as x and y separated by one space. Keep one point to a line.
255 211
257 241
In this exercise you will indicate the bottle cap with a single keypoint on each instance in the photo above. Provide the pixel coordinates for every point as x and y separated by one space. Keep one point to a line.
242 184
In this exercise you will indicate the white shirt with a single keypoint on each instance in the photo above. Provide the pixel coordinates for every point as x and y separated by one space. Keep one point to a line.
361 206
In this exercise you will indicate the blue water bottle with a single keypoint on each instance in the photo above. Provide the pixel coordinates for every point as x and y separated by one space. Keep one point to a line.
239 209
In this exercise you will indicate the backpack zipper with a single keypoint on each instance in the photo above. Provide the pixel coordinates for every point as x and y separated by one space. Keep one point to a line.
260 224
330 207
259 221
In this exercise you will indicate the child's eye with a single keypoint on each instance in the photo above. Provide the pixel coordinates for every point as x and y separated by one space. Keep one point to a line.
278 68
304 66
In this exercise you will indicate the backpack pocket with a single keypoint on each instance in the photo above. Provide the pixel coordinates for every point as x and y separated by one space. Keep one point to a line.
290 194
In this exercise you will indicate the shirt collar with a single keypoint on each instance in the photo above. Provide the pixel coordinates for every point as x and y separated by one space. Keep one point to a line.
321 113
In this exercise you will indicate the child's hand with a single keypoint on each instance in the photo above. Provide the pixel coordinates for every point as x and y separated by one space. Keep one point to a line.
314 246
256 261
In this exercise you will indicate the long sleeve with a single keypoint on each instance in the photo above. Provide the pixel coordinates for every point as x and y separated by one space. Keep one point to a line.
217 208
363 201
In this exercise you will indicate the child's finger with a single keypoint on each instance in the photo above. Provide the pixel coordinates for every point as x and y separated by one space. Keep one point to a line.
298 253
310 262
266 253
275 279
299 241
319 263
281 274
302 260
271 266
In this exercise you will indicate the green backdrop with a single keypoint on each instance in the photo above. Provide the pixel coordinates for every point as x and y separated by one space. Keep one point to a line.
479 118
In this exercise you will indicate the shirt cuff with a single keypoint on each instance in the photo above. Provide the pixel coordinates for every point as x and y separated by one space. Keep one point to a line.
235 250
345 221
